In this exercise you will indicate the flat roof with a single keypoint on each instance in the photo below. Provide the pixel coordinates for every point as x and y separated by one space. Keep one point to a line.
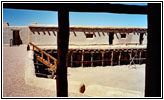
104 28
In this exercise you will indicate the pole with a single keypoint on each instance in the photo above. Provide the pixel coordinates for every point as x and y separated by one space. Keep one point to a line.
82 59
153 85
62 42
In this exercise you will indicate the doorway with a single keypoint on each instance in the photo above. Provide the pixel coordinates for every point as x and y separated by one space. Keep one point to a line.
111 37
141 38
16 38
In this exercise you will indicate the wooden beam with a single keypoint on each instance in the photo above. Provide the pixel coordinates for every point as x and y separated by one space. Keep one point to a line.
80 7
102 58
82 58
153 61
119 58
46 63
91 59
112 58
140 54
62 42
71 58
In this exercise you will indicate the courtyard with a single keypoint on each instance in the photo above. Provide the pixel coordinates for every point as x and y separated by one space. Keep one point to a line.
116 77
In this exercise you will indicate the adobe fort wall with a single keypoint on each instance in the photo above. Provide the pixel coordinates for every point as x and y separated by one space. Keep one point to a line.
8 33
131 38
43 37
48 36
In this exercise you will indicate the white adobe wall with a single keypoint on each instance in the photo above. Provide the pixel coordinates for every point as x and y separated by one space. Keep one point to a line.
8 33
130 38
103 38
76 38
80 38
41 38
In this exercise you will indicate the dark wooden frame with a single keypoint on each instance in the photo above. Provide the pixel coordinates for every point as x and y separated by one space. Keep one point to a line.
153 64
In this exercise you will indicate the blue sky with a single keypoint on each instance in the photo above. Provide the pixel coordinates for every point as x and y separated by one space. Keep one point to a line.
25 17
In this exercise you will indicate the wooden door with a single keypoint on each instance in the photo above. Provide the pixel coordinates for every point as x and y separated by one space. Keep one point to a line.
16 38
141 38
111 37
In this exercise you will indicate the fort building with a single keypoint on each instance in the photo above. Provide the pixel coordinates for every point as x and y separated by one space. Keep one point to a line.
88 46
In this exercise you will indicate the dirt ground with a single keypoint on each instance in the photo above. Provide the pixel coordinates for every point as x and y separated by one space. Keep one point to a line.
14 60
112 76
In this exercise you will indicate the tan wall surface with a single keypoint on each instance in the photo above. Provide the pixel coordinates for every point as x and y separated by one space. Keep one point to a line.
8 34
43 37
130 38
78 37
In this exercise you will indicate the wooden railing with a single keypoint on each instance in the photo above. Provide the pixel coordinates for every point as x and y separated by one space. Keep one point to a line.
47 62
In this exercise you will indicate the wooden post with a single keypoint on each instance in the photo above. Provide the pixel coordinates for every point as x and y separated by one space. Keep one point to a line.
71 59
82 58
91 59
140 53
136 54
102 58
131 54
42 55
37 66
62 42
32 48
119 58
154 68
112 58
48 60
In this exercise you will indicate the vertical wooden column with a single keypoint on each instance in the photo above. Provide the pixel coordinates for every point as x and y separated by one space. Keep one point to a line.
136 54
71 58
62 42
102 58
119 58
153 85
112 58
42 55
91 59
131 54
32 48
82 58
140 53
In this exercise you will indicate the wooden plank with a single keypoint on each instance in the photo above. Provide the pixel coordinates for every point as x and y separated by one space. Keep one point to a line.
62 62
47 64
119 58
91 59
140 53
102 58
82 58
42 54
71 59
34 46
112 58
48 59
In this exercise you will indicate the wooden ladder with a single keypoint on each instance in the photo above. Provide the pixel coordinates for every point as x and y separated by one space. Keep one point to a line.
50 62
